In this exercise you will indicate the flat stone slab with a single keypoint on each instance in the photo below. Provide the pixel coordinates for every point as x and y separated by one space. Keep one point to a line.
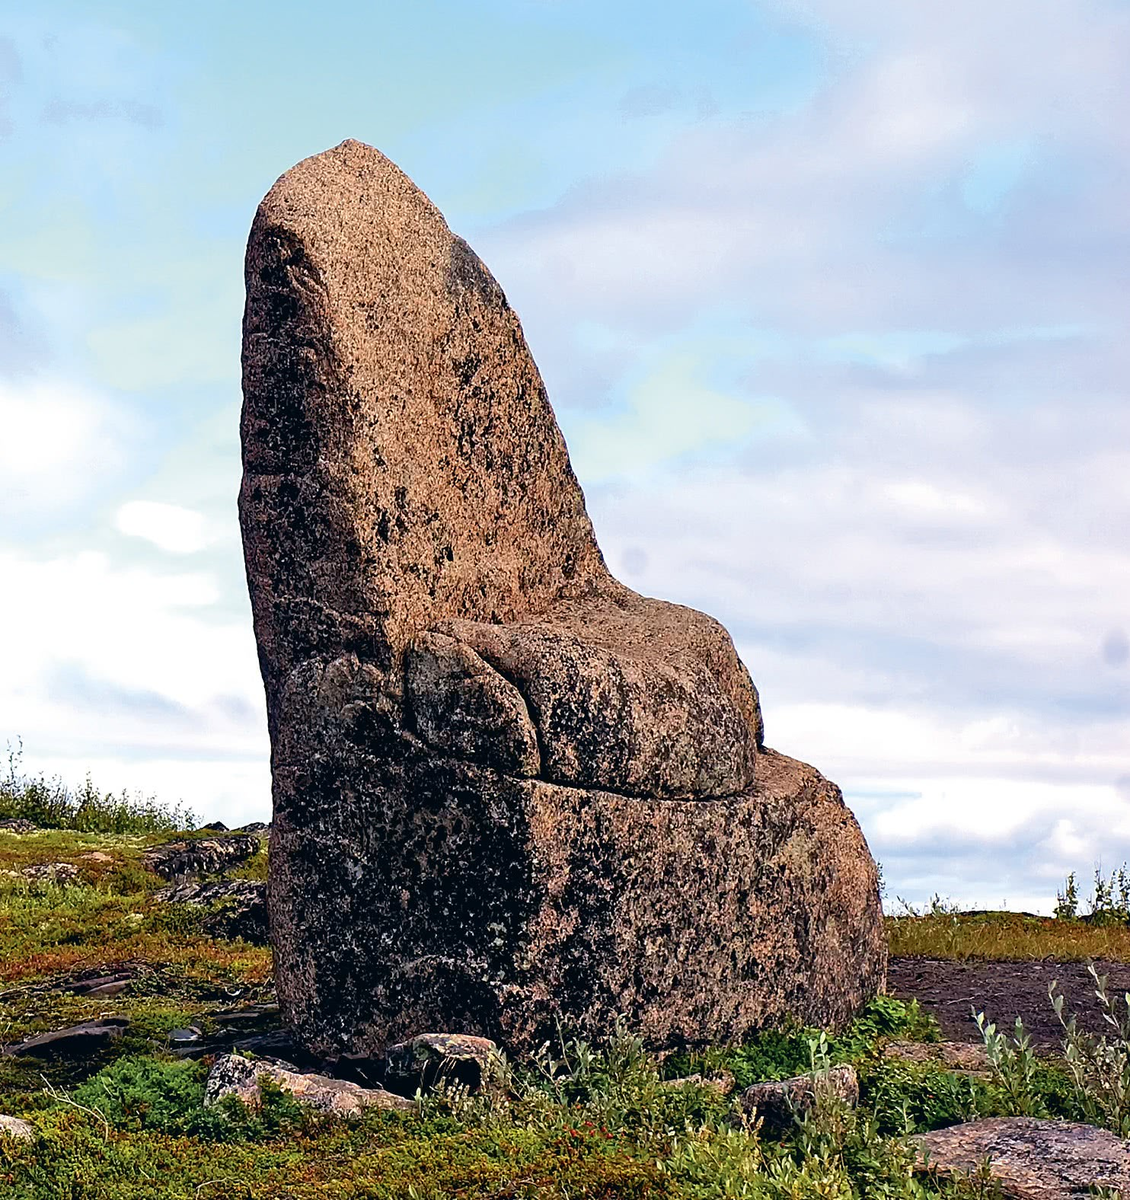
969 1057
76 1041
233 1075
1031 1159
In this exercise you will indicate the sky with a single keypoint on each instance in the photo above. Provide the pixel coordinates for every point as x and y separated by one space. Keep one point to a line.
830 298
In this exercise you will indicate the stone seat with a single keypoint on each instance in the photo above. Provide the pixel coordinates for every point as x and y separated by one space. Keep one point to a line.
511 795
616 692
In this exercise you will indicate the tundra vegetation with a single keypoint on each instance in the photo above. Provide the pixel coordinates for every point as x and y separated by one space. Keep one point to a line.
578 1119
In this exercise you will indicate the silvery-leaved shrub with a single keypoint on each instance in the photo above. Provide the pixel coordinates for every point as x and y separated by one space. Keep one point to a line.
1099 1064
1014 1064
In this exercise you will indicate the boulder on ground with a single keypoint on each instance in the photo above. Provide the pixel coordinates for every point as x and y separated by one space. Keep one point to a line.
17 1128
56 873
509 791
779 1102
1031 1159
233 1075
423 1060
201 856
18 825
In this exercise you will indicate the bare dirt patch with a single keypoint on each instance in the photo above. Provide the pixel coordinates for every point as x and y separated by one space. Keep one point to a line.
1004 991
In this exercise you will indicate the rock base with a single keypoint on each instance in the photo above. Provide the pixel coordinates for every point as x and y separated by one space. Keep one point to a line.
410 894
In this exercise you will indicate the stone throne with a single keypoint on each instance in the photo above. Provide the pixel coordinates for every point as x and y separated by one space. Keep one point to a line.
508 790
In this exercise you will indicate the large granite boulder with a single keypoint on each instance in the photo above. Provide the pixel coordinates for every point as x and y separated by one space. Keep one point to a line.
507 788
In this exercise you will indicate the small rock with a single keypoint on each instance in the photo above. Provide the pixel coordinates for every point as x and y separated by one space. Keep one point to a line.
201 856
57 872
187 1036
76 1041
722 1084
14 1127
215 827
255 827
106 985
18 825
97 856
243 906
275 1044
236 1076
421 1061
250 1015
969 1057
1031 1159
779 1102
106 979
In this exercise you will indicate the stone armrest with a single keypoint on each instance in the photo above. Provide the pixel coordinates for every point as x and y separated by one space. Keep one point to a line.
624 695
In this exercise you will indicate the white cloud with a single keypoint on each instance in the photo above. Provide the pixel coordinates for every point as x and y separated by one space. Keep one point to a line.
99 655
61 443
168 526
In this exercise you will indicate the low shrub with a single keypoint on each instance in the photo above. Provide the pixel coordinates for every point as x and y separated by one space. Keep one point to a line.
1099 1066
52 804
141 1092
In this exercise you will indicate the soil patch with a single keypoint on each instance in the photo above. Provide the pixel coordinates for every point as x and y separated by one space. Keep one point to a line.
1003 991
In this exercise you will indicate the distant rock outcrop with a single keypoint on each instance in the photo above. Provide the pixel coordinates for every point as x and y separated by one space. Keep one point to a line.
201 856
508 789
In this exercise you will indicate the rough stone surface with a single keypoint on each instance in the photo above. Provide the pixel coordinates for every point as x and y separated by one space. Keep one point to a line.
201 856
1031 1159
507 788
233 1075
722 1084
56 872
16 1127
18 825
969 1057
75 1042
779 1102
238 906
428 1057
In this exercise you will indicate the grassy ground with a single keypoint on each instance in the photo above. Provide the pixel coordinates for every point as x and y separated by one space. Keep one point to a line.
583 1121
1004 935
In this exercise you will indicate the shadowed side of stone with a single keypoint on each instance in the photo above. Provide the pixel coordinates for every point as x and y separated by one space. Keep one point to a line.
507 788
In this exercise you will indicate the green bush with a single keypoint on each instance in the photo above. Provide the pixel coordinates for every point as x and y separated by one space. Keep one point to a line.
51 804
779 1054
1099 1066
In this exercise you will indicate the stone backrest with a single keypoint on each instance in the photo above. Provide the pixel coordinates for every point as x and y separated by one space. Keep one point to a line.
402 461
